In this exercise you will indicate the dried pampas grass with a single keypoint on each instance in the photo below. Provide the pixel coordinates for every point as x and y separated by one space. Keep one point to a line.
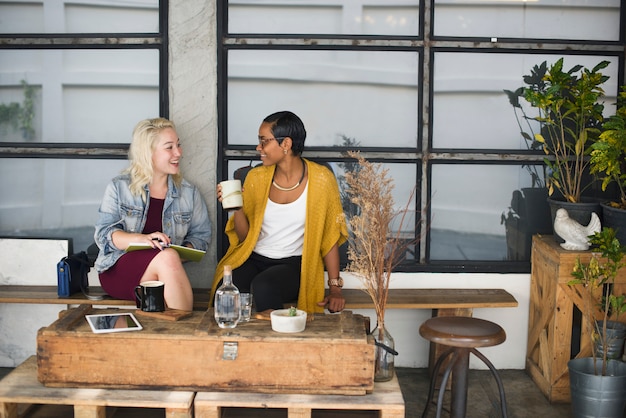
374 250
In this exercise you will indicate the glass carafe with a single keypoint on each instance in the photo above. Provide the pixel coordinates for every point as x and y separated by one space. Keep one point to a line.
227 309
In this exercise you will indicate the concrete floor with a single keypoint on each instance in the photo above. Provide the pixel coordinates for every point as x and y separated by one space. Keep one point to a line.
523 399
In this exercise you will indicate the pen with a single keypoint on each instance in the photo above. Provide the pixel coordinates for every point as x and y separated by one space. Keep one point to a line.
164 244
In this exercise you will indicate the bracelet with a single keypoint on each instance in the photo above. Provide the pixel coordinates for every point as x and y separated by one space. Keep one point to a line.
338 281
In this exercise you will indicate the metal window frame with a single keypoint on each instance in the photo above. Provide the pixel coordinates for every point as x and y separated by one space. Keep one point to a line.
426 45
35 41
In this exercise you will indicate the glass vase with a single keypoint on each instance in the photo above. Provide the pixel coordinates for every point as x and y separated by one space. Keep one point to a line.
385 353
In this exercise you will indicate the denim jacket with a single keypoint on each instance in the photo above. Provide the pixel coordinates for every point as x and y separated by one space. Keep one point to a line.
185 217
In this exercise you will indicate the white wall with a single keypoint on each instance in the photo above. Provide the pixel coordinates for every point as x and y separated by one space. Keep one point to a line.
26 262
403 324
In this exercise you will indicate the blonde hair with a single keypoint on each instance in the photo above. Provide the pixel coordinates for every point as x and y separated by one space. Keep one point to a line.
145 139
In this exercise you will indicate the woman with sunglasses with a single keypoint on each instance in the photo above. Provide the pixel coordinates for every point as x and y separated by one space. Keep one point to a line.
290 226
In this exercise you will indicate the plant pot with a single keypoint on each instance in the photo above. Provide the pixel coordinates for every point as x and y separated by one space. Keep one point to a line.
531 215
616 333
537 209
595 395
580 212
615 218
283 322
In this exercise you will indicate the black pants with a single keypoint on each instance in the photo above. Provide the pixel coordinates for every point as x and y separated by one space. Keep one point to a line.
272 282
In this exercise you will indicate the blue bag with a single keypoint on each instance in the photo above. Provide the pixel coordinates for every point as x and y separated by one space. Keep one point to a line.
72 274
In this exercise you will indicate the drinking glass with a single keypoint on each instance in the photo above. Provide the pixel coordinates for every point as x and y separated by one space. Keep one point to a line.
245 300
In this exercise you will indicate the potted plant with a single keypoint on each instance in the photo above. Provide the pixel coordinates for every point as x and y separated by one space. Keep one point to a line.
21 116
608 159
529 212
569 118
374 249
598 383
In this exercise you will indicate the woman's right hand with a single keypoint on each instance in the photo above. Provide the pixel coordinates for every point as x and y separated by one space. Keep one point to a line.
218 192
122 239
158 240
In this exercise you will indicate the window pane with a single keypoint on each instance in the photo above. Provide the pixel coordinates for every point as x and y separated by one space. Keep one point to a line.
92 96
468 87
138 16
539 19
404 195
404 178
399 17
53 197
467 216
370 97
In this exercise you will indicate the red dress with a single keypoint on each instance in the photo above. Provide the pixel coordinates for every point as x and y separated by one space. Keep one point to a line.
121 279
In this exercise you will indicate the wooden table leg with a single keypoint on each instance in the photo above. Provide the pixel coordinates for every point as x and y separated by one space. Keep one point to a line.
299 412
8 410
208 411
179 413
391 414
90 411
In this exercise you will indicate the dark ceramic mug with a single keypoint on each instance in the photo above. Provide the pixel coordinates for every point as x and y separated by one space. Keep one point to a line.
150 296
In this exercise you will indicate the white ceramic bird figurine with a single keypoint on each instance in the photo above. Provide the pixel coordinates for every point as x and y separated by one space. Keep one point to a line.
575 234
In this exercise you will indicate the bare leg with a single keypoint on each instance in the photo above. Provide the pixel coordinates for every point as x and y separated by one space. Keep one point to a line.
167 267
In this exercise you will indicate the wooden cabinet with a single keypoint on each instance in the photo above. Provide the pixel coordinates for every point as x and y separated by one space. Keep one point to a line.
551 326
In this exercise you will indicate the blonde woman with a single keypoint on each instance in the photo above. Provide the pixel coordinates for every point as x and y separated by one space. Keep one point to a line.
150 203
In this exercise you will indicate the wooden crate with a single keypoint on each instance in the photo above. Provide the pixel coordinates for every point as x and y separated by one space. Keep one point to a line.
333 355
21 388
550 322
386 399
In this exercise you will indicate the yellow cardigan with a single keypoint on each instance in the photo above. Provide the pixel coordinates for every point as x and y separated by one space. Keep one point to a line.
324 227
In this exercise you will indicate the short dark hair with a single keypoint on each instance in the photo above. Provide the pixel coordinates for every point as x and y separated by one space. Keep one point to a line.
288 124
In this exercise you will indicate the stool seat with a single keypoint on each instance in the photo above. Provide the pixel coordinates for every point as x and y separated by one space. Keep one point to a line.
459 331
462 335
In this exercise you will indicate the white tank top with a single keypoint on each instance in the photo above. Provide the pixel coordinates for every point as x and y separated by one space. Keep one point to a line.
282 231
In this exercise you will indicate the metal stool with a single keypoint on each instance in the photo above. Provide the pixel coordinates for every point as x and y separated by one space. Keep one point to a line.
463 335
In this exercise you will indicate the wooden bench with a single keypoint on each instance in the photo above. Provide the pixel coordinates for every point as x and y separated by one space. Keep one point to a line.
48 295
445 301
386 399
21 387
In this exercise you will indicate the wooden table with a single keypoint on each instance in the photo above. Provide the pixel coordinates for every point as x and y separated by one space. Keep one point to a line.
442 302
333 355
440 299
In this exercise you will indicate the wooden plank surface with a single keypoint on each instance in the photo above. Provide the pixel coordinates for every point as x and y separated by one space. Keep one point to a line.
21 386
48 295
566 259
434 299
386 397
355 298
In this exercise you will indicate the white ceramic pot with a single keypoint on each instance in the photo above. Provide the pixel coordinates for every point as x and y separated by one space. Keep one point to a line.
282 322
